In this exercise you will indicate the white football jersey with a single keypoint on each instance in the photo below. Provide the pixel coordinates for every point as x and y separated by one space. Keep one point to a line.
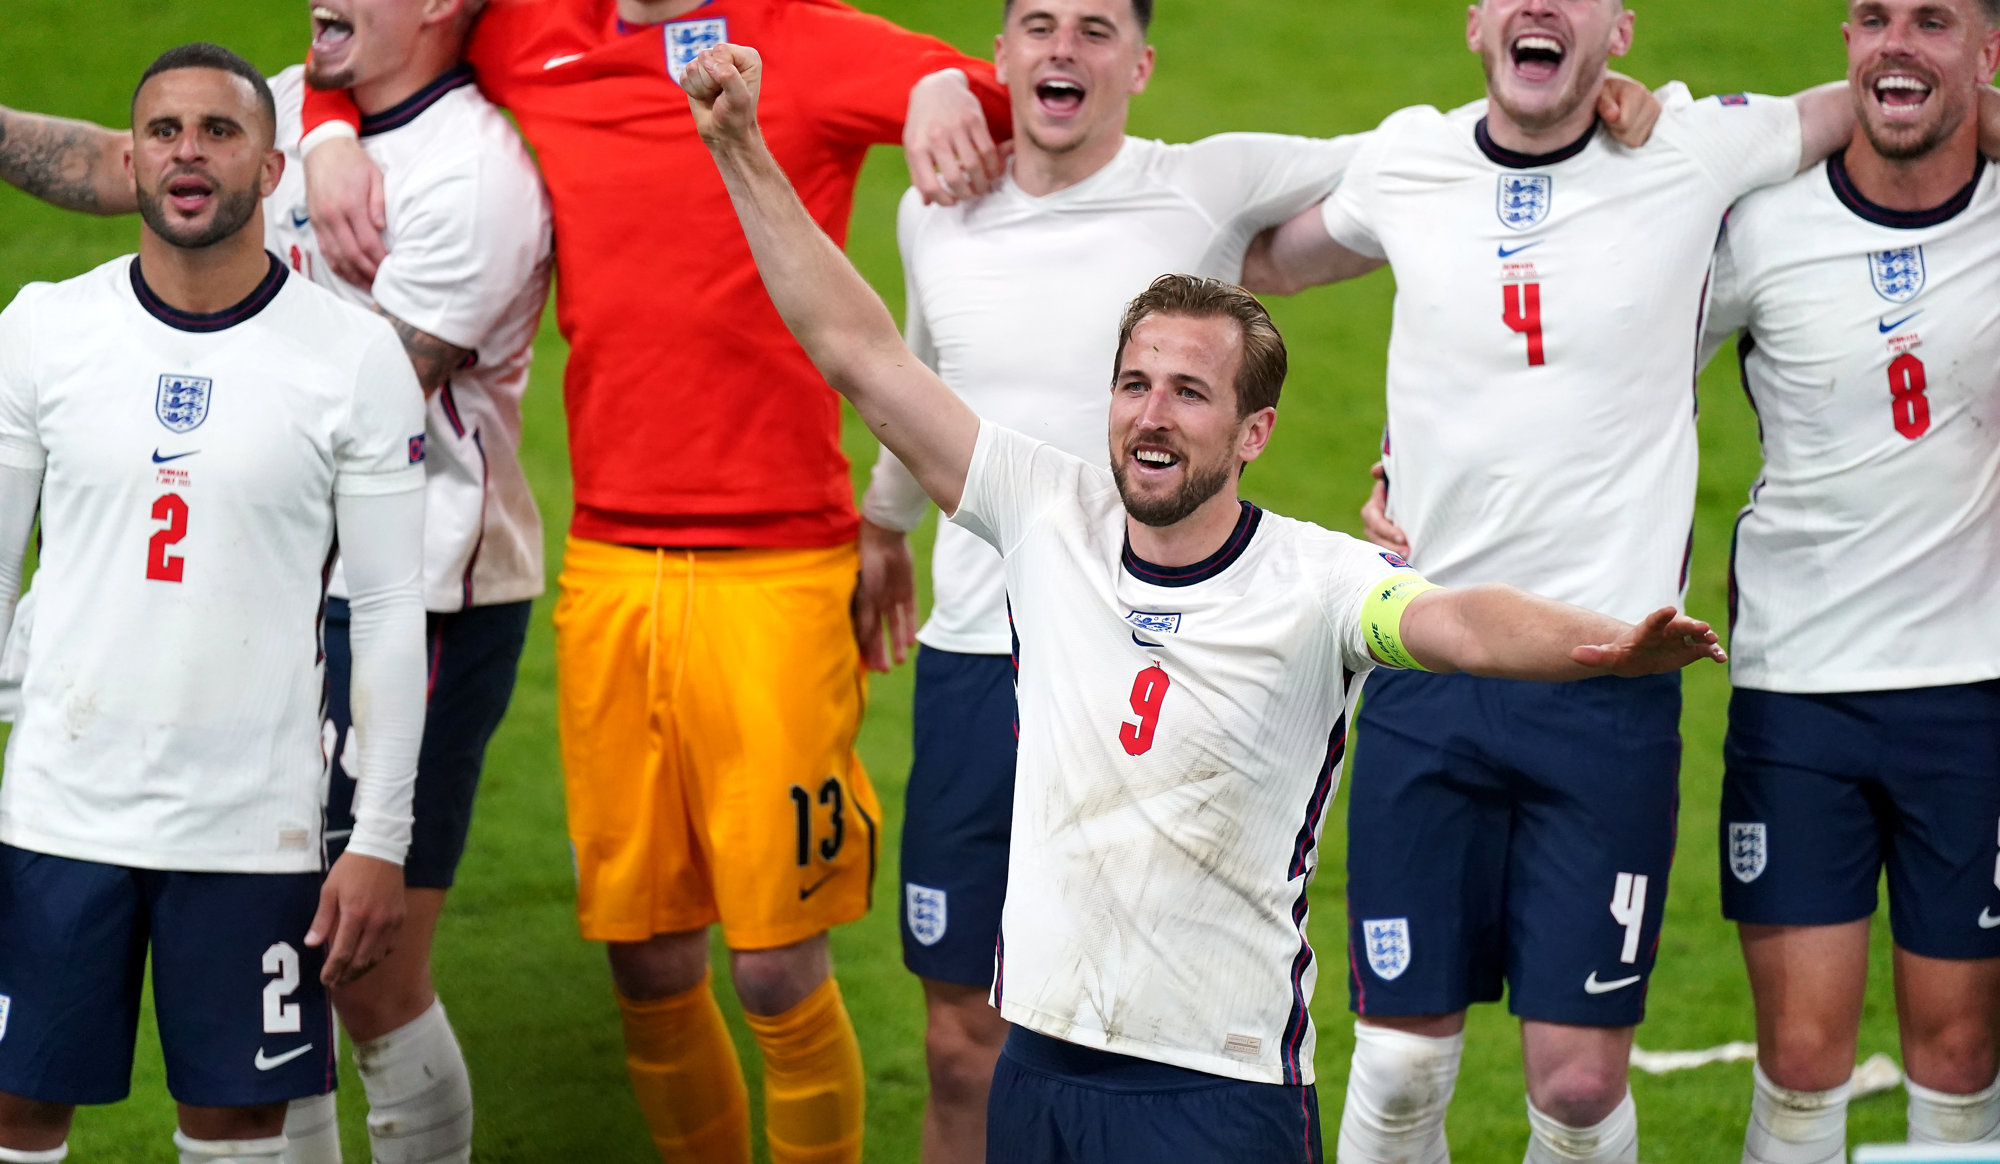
1062 268
1869 557
1548 314
470 248
1180 738
171 708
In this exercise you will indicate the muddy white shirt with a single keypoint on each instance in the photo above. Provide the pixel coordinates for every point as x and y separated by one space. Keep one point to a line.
1547 319
1869 556
1015 301
192 466
470 249
1180 737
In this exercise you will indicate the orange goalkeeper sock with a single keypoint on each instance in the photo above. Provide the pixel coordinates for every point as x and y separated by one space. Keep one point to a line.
812 1081
686 1078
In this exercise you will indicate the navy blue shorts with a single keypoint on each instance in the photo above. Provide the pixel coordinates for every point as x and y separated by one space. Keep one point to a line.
1504 832
959 810
243 1019
1822 791
1057 1103
473 655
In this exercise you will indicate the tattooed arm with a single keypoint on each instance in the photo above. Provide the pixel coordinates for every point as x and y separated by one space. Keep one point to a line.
434 359
71 164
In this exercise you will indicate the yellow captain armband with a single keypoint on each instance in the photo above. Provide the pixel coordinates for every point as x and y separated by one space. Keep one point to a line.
1382 618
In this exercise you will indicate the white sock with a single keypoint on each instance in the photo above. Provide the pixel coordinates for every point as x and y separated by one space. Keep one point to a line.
265 1151
419 1093
1397 1093
1795 1127
1940 1118
1616 1139
312 1131
23 1156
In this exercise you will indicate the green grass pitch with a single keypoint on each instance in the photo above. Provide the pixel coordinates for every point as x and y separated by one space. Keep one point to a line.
532 1002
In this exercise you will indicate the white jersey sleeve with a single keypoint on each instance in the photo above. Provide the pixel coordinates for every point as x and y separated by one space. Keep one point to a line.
459 238
1742 141
1729 302
20 438
1013 482
379 448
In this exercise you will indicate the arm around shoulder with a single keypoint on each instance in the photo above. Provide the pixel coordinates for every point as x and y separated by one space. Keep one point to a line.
1501 632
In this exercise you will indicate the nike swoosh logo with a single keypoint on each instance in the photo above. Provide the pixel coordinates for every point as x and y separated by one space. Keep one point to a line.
299 220
1592 986
1889 327
805 893
1507 254
559 62
160 460
1987 921
264 1064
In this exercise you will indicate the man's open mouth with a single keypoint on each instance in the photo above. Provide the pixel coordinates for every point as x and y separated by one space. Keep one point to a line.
1901 92
1538 56
331 30
1155 458
1060 96
189 193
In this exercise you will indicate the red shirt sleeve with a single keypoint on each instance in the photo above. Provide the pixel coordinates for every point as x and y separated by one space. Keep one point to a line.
324 105
863 68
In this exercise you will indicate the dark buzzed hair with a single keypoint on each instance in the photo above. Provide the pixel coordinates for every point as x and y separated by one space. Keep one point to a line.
203 55
1265 363
1143 9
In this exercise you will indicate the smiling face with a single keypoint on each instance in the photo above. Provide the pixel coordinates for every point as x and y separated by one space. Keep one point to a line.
201 157
1072 68
357 41
1176 436
1915 67
1545 59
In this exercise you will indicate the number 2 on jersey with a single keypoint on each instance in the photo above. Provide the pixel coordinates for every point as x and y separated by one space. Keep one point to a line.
1149 692
1521 311
160 567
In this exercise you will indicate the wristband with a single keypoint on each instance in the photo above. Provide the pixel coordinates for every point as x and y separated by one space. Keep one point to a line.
325 132
1382 618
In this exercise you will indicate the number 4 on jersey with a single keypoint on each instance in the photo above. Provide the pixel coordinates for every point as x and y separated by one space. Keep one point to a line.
1521 310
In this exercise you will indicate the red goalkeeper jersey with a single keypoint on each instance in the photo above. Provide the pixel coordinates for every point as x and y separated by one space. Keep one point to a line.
694 417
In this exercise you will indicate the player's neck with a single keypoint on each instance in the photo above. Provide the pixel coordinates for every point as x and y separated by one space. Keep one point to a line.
208 280
1195 538
1920 183
437 51
1511 135
655 11
1039 172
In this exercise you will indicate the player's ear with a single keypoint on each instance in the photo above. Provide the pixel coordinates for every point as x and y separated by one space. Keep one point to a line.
274 169
1621 37
1253 435
1472 28
1000 56
1989 56
1144 73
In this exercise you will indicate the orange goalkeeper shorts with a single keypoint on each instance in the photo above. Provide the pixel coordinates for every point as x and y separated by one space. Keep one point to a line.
709 701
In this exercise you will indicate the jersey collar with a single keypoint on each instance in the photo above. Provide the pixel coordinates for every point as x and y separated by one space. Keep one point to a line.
1851 197
222 320
1515 160
1202 571
412 107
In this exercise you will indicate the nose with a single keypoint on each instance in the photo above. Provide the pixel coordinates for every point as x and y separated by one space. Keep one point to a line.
1065 44
1153 413
187 147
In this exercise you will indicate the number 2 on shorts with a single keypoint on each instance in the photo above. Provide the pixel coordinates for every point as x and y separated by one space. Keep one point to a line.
281 1017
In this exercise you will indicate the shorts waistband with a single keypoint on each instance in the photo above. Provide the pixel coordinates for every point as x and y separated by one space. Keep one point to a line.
1102 1070
581 556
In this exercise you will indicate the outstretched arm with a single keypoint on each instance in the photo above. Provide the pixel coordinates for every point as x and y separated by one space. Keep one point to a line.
836 316
1505 633
71 164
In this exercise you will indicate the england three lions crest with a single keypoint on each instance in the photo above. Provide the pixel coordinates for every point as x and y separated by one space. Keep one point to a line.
1748 851
687 38
924 909
1524 199
182 403
1388 946
1898 274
